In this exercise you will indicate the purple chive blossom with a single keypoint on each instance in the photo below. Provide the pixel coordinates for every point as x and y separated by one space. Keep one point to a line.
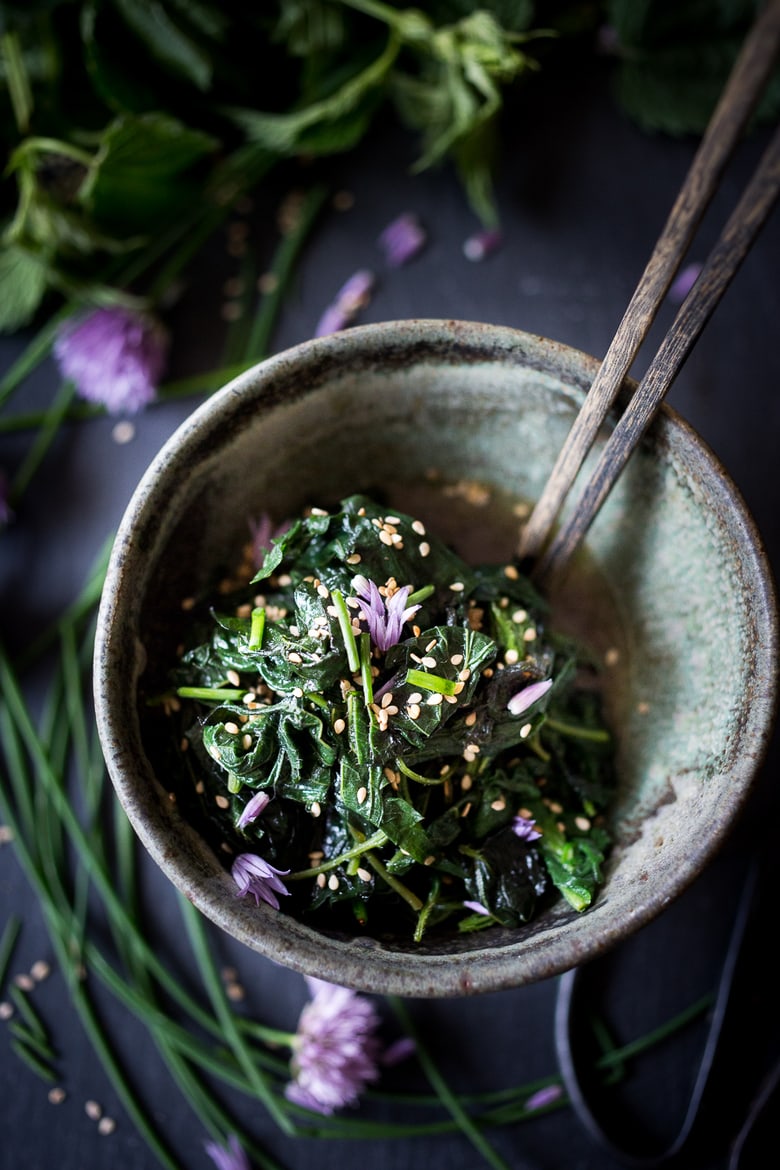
478 908
231 1157
252 809
385 615
349 300
114 356
263 532
545 1096
686 279
336 1049
525 829
481 244
400 1049
402 239
528 696
255 876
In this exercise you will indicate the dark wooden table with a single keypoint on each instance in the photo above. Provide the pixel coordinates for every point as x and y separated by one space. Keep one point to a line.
583 195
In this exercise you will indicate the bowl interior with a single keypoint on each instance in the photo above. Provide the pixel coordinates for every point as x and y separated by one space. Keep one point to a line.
454 422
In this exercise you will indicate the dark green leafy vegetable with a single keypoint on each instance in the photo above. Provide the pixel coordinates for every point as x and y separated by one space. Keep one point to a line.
418 730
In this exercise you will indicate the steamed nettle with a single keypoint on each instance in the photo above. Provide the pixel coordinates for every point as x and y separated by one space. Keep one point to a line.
387 738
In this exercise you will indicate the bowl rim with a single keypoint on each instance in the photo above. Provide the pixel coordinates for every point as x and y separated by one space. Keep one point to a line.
299 947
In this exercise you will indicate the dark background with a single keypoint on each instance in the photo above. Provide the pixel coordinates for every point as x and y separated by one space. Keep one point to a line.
583 194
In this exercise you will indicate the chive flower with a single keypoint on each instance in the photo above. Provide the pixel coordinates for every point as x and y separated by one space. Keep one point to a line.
263 531
684 282
478 908
385 616
6 512
336 1050
402 239
252 809
529 695
525 828
543 1097
253 875
230 1157
114 356
353 296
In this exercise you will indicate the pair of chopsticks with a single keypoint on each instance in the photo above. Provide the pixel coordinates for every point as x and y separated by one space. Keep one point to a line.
549 553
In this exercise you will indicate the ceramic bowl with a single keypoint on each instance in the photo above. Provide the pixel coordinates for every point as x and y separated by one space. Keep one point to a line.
450 420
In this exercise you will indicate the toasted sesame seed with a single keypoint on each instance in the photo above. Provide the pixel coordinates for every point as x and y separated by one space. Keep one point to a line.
413 710
457 586
498 805
40 970
456 659
470 719
6 1010
642 708
293 656
466 782
520 616
231 728
424 548
235 992
385 536
362 794
415 697
511 572
387 698
93 1110
429 860
246 741
298 692
434 699
428 661
321 880
333 882
24 982
582 823
354 559
511 656
56 1096
6 834
464 812
431 645
364 874
529 635
339 726
315 809
464 674
233 677
418 527
525 730
222 802
188 603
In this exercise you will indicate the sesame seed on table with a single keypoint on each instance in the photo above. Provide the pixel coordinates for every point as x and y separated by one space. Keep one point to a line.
582 196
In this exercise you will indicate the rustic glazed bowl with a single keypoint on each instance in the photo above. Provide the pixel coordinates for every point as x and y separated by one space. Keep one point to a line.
449 420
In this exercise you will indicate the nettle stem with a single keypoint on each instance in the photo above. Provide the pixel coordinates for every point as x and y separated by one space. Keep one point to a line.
372 842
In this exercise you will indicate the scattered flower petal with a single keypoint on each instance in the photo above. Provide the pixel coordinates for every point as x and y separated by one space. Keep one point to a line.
529 695
385 615
231 1157
525 829
402 239
545 1096
254 875
349 300
263 532
336 1050
481 244
401 1049
682 285
478 908
114 356
253 808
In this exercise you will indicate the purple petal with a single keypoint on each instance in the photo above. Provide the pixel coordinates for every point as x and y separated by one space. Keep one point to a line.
481 244
478 908
232 1158
400 1050
402 239
525 829
545 1096
115 357
353 296
685 281
253 808
528 696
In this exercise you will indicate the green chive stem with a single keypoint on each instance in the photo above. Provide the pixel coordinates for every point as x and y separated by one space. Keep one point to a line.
595 735
431 781
365 669
420 595
257 628
393 882
431 682
372 842
215 694
347 633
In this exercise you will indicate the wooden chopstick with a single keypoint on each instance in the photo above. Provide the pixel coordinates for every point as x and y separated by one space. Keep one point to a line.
738 101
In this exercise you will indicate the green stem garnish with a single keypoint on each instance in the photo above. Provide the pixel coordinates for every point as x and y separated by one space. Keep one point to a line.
431 682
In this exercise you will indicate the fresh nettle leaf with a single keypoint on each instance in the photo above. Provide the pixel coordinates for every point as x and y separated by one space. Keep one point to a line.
393 739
